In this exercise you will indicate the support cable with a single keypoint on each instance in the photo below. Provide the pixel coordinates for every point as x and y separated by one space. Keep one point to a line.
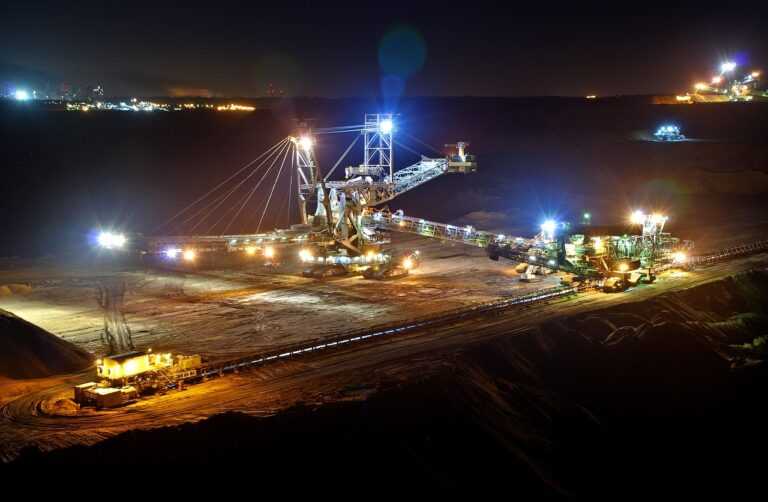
246 166
236 187
224 195
340 129
277 180
407 148
414 138
290 188
253 190
325 178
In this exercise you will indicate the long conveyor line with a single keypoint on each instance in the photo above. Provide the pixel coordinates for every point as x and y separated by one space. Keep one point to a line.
459 314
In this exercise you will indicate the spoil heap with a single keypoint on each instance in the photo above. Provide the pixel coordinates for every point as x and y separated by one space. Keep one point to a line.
28 351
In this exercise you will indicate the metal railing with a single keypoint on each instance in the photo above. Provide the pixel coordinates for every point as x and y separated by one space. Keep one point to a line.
385 220
417 174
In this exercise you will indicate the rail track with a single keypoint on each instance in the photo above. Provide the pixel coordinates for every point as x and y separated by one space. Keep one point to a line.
459 314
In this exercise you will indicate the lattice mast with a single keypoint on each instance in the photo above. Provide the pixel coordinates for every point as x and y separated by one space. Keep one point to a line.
378 153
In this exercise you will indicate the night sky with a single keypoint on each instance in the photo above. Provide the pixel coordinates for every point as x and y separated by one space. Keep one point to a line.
388 49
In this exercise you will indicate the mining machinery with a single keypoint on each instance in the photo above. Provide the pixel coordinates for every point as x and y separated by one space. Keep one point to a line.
344 224
668 133
728 85
334 225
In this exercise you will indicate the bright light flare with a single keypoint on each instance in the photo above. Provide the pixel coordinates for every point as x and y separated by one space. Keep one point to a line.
637 217
269 252
250 250
700 86
680 257
109 240
728 66
408 263
21 95
386 126
172 253
717 80
190 255
549 227
755 74
306 143
305 255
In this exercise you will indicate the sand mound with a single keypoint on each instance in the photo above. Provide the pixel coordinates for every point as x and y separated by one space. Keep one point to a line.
15 289
19 289
28 351
60 407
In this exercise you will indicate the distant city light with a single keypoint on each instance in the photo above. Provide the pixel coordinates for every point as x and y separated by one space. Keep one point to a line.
386 126
700 86
755 74
235 108
717 80
21 95
728 66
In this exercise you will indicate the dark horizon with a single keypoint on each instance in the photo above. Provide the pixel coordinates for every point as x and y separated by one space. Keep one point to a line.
335 52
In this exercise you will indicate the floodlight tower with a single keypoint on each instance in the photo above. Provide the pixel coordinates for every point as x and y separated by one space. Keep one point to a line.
377 146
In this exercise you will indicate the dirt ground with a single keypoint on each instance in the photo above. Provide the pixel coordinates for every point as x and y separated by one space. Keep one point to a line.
223 313
350 373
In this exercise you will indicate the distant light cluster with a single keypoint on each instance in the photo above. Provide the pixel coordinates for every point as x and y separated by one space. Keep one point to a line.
134 105
235 108
97 103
